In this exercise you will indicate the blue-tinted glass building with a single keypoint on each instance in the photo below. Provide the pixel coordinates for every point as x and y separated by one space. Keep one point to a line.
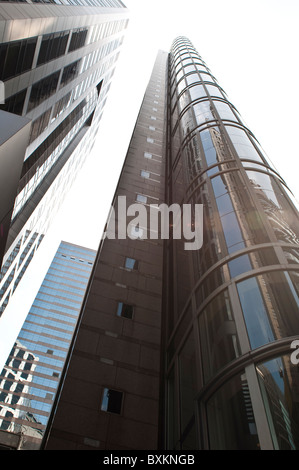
30 377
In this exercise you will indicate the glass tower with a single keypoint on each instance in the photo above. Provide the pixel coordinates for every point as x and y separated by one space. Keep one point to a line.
228 312
232 306
56 64
30 377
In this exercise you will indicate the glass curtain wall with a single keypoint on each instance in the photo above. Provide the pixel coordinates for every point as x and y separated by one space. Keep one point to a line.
31 375
232 306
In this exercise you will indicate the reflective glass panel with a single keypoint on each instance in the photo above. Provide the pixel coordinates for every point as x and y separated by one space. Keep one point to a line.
272 198
232 232
242 144
188 389
279 382
224 111
172 418
203 112
231 423
214 91
197 92
218 337
270 306
206 77
193 78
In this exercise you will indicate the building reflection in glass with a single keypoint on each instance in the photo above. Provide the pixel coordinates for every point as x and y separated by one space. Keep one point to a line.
30 377
238 294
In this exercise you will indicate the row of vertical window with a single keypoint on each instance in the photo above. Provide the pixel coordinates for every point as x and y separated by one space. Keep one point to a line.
52 46
57 136
94 3
47 86
16 57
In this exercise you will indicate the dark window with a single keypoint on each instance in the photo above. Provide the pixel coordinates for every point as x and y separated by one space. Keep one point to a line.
43 89
78 39
3 395
52 141
5 423
52 46
61 105
15 103
39 125
16 57
125 310
70 72
112 401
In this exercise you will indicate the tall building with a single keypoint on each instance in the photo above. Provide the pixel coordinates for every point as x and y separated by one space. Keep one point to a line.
180 348
56 65
30 377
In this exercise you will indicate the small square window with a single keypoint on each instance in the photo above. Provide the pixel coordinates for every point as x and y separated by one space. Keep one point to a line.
141 198
131 263
145 174
151 128
112 401
148 155
150 140
136 232
125 310
153 118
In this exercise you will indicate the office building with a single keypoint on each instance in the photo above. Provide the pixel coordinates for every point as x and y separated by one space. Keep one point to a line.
56 65
179 348
30 377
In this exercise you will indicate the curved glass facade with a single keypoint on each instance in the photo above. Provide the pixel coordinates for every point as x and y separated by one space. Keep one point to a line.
232 306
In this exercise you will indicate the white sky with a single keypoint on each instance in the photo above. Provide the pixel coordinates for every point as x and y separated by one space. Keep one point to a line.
252 50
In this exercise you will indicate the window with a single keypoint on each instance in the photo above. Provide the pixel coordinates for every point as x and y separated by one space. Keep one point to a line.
43 89
141 198
14 104
70 72
131 263
150 140
52 46
136 232
145 174
16 57
148 155
125 310
230 400
78 39
112 401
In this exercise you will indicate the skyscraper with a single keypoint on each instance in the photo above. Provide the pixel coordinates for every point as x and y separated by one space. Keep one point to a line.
56 63
181 348
30 377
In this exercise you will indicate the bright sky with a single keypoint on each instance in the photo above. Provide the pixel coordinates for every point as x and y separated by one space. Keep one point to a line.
251 48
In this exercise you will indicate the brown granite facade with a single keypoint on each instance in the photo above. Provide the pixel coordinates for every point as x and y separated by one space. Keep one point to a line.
117 347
